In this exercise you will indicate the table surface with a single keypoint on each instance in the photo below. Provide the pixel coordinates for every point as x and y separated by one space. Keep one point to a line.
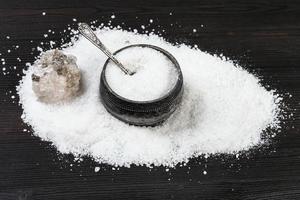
262 36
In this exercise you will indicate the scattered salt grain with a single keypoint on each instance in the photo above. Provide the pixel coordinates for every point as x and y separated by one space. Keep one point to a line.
194 30
204 172
113 16
97 169
8 37
224 110
151 21
43 13
52 43
74 20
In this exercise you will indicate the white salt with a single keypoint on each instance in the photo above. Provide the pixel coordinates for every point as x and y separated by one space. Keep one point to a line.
155 74
224 110
97 169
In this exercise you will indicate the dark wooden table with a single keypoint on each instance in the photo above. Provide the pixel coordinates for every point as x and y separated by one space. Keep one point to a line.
263 36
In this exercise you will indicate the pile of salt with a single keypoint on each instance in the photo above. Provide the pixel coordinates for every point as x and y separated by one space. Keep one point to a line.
224 110
155 74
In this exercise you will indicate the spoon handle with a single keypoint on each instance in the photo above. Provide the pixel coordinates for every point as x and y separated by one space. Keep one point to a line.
88 33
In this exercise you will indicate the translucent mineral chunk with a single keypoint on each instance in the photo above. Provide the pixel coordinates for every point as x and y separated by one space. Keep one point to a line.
56 77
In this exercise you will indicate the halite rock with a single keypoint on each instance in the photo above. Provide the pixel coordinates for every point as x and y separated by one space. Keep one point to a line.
56 77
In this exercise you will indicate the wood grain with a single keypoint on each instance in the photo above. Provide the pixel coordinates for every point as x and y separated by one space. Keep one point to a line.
263 36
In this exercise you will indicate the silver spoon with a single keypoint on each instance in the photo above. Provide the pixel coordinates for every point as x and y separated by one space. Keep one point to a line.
88 33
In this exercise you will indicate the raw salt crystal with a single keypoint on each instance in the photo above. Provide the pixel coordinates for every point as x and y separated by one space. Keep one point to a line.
56 77
224 110
155 74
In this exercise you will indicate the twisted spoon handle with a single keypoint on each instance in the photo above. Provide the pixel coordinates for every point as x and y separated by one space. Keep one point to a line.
88 33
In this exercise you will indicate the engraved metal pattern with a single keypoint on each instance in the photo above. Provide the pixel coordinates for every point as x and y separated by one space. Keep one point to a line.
88 33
